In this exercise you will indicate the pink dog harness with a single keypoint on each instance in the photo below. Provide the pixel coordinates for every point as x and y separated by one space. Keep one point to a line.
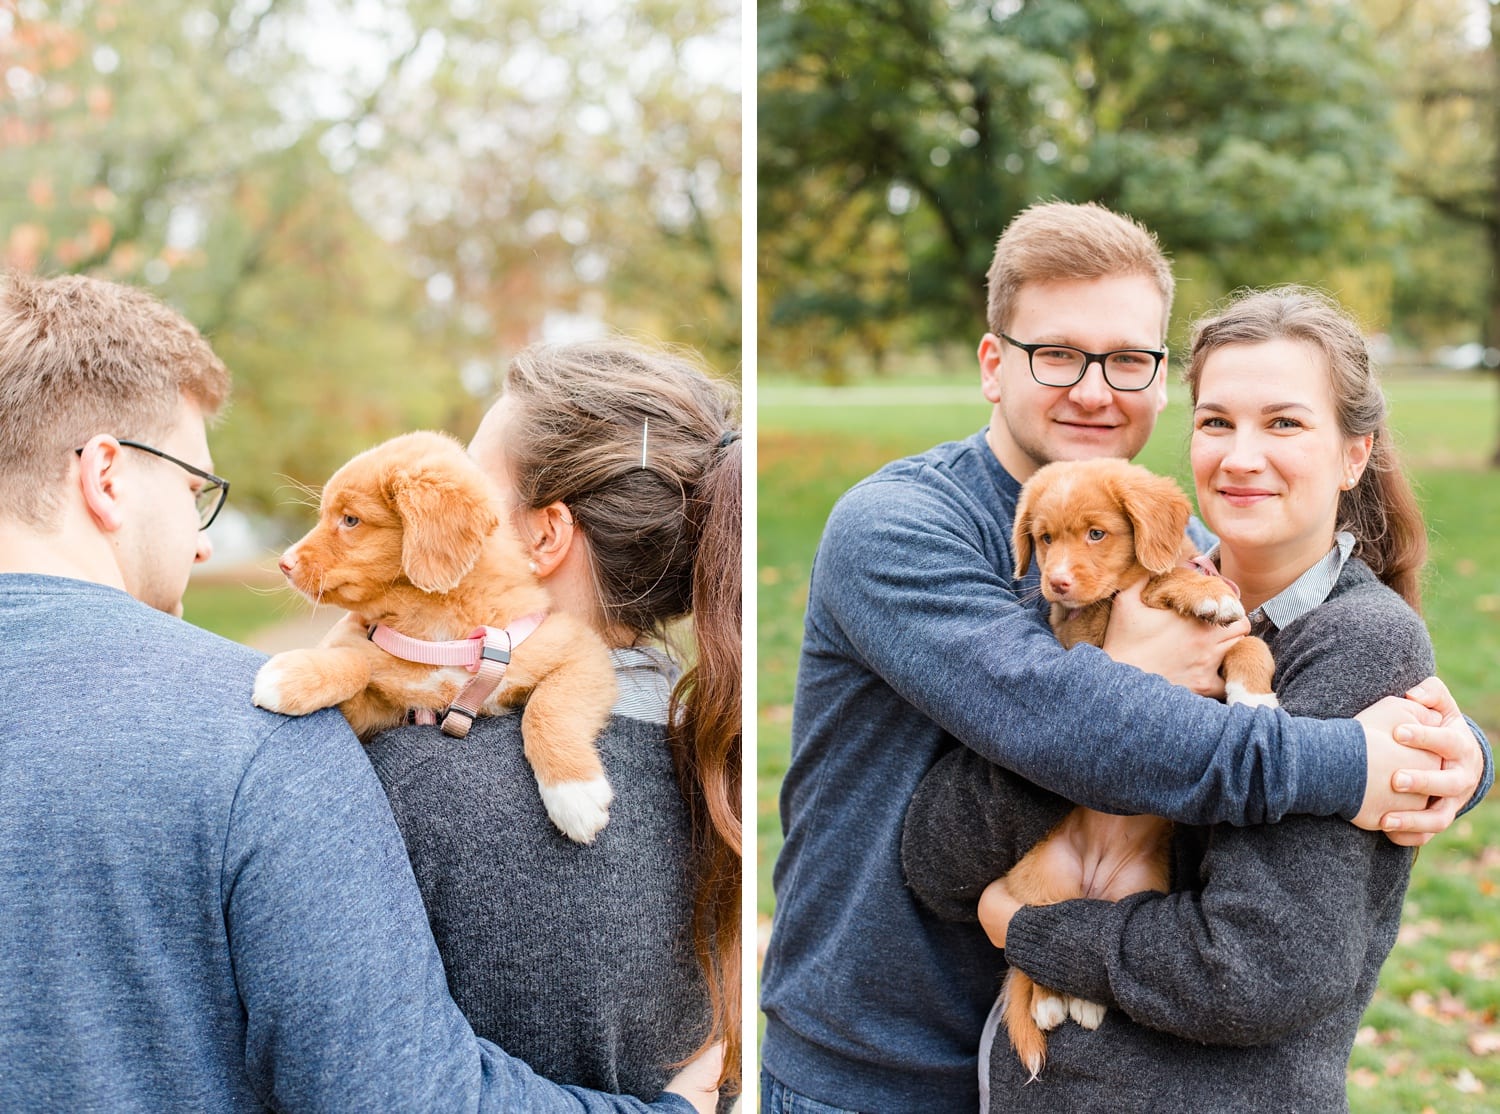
485 653
1206 566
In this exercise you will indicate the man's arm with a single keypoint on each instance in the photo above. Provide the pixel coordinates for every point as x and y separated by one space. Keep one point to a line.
903 575
346 1002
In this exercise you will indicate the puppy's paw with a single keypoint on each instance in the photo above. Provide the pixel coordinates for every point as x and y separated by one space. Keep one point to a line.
1223 609
1087 1014
289 684
580 809
1048 1010
1236 693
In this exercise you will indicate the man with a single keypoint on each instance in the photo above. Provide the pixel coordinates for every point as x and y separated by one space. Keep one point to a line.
205 906
918 639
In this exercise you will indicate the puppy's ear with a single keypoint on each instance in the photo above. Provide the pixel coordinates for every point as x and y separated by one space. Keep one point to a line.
446 514
1021 532
1159 513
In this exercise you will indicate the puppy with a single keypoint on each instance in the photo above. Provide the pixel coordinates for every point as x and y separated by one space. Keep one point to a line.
409 537
1097 526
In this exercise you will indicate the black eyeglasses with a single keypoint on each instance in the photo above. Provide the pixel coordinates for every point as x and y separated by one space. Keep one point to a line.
210 499
1061 365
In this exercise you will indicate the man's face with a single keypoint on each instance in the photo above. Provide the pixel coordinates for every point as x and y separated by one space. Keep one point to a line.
1035 425
160 541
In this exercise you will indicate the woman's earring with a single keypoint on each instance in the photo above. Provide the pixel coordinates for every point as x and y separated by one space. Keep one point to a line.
534 567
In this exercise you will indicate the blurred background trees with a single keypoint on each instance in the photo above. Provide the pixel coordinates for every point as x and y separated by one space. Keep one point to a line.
1348 143
367 205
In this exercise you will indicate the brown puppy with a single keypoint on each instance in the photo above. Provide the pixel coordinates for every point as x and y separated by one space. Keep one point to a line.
1097 526
409 536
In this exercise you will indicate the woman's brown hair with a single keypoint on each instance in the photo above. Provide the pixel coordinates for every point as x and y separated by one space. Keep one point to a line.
1381 510
642 444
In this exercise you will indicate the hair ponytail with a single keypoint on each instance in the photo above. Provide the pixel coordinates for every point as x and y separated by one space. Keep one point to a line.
707 745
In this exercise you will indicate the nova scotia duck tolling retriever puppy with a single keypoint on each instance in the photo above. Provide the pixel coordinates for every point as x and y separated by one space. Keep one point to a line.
1097 526
445 621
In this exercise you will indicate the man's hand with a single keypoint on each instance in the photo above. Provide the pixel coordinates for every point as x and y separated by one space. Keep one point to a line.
1451 786
698 1082
997 905
1185 651
1386 755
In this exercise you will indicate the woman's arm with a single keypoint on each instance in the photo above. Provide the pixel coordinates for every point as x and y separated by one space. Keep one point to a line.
969 822
1278 928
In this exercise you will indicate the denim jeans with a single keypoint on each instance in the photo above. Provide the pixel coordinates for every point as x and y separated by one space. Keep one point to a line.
777 1098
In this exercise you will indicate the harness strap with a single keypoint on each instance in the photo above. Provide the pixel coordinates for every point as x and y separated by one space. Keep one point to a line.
1206 566
485 653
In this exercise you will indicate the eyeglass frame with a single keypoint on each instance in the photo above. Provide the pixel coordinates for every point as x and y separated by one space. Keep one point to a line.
1099 358
219 482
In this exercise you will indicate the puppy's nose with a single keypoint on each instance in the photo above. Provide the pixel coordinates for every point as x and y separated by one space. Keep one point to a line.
1060 584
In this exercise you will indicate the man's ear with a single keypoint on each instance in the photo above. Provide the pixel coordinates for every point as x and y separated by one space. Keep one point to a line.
550 534
991 352
98 479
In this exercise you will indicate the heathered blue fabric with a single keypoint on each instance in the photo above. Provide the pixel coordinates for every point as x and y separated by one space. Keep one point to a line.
917 638
204 906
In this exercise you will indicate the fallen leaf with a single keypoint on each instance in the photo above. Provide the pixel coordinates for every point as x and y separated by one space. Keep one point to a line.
1467 1084
1484 1044
1363 1077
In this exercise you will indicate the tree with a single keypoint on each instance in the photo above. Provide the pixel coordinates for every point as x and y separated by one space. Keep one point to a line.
1252 136
368 207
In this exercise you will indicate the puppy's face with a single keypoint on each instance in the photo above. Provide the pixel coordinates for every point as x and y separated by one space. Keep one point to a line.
412 512
1095 525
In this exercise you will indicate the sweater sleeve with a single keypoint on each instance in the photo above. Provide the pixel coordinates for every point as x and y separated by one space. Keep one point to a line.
969 823
903 575
1276 930
346 1005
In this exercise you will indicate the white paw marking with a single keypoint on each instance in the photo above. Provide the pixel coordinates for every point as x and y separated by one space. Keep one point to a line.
1049 1011
1224 610
1087 1014
580 809
1236 693
270 683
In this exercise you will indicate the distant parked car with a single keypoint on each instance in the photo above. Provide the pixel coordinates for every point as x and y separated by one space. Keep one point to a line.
1462 357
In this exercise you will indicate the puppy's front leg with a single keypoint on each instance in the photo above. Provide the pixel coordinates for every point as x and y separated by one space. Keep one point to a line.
297 682
1194 594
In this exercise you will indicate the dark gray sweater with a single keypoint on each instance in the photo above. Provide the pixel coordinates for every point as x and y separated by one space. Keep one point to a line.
1242 989
577 960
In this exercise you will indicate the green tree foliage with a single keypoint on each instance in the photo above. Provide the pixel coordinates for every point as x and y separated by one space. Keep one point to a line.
1251 135
367 207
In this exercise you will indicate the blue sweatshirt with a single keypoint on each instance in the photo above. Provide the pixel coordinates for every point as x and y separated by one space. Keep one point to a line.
204 906
917 640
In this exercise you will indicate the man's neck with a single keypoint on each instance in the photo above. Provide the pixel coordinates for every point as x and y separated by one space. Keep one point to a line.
23 549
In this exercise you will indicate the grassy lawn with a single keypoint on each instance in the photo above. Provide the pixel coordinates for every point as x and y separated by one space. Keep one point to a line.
1432 1039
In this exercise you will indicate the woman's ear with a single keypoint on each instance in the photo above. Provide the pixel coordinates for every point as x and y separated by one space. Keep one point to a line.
549 534
1356 456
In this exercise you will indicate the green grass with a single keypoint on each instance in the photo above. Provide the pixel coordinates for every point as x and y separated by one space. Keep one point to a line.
1430 1031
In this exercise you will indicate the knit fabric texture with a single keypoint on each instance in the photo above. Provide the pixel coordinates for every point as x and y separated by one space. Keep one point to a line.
1240 991
578 959
204 906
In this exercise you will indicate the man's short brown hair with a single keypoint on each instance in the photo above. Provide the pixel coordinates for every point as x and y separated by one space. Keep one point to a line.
81 356
1055 241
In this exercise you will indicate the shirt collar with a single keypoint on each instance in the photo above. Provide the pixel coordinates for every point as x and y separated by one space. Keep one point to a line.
1308 590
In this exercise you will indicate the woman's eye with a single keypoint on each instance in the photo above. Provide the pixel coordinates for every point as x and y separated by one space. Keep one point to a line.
1213 423
350 521
1096 535
1286 423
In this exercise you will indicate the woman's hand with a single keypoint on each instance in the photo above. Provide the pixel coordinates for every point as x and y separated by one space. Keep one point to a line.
698 1082
1185 651
997 905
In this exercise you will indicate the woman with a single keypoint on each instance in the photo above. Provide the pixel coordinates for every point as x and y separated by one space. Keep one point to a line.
607 965
1243 988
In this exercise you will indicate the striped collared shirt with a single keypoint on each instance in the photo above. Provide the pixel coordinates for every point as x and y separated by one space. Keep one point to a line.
1307 591
645 676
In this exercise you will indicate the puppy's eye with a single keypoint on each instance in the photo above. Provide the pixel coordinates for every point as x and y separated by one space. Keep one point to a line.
350 521
1046 539
1096 535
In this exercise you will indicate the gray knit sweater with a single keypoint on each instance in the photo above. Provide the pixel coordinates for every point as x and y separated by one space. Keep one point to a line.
1241 990
577 960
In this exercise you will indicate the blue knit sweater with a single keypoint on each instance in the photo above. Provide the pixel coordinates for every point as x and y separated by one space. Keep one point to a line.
204 906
